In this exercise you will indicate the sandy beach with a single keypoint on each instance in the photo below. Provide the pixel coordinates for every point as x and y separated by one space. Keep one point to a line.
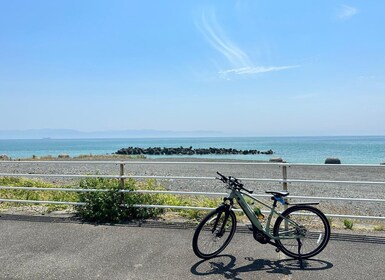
241 169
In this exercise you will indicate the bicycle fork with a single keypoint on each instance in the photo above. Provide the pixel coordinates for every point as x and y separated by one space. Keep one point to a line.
222 229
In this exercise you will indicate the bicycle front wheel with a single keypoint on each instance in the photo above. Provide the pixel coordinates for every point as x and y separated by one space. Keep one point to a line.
214 233
303 231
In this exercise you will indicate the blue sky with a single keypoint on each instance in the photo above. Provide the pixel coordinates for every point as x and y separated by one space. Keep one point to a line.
249 68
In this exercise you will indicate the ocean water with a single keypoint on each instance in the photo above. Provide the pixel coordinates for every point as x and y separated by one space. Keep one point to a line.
350 150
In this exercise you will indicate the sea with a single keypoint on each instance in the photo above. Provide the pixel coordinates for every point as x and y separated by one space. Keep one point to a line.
349 149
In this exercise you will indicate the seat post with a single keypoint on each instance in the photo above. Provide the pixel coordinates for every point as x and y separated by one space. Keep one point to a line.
275 202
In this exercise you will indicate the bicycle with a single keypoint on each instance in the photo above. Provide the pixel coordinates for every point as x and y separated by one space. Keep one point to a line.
301 231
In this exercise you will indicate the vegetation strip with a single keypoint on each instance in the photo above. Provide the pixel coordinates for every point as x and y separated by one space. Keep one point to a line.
103 204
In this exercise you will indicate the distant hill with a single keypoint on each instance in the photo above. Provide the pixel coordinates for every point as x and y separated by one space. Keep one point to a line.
75 134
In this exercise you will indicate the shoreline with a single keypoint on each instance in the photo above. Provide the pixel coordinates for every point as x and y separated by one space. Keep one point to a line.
172 158
113 156
350 150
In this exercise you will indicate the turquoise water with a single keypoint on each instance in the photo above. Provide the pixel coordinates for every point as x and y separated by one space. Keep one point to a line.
352 149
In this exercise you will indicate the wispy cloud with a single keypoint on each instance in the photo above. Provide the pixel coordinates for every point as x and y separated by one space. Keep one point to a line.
346 12
218 40
257 69
240 62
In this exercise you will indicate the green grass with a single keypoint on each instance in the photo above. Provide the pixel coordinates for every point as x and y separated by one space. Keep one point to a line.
34 195
379 228
106 206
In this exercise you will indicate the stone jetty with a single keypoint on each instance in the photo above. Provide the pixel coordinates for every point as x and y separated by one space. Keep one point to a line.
188 151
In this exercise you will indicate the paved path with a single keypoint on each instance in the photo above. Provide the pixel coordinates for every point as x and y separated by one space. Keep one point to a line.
57 248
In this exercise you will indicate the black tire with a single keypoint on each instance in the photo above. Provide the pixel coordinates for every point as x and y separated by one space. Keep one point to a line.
214 233
313 226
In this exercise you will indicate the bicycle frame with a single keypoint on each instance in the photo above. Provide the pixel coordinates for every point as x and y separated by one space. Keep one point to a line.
238 195
221 223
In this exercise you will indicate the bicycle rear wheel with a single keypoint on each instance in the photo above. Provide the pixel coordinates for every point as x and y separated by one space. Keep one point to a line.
307 223
214 233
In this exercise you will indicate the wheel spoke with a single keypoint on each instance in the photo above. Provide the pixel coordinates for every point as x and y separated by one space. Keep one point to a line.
214 233
310 226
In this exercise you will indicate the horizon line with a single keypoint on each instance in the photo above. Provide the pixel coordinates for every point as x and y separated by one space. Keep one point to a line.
188 137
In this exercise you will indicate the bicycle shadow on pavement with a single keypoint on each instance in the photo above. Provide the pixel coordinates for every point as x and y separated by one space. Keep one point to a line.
226 265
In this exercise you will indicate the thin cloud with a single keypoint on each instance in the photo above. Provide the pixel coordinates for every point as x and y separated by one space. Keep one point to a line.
240 62
346 12
218 40
257 69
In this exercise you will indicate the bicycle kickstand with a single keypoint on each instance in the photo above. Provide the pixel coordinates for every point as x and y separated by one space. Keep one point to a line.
299 253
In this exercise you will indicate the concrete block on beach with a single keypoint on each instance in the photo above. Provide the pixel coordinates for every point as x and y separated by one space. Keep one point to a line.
278 159
332 160
63 156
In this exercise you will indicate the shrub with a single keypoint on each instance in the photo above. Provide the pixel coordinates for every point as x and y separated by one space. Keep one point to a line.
100 206
348 224
114 206
144 199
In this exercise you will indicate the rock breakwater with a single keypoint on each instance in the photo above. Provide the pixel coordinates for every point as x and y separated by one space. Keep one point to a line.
188 151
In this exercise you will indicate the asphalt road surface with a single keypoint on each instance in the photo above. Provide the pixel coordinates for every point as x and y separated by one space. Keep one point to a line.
39 247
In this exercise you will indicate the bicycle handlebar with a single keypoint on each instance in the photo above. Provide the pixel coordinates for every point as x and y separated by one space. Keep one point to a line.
232 182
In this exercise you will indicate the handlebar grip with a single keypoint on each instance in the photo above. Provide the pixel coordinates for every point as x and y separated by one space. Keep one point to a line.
223 178
220 174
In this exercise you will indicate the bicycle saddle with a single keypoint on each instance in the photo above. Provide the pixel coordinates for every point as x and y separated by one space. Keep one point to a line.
278 193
